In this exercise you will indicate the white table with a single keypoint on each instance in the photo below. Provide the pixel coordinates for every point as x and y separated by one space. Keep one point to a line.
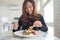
47 36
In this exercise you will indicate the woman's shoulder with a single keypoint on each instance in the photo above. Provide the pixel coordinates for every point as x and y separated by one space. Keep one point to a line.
40 15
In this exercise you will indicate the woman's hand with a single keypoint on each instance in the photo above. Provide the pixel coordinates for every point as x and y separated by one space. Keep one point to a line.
37 24
15 25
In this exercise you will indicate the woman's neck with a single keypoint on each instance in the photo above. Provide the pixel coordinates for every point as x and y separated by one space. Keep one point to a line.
31 15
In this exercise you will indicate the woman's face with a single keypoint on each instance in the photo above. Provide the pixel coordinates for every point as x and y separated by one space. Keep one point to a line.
29 8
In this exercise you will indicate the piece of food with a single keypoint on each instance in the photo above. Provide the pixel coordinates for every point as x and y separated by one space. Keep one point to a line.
25 32
35 33
30 28
29 31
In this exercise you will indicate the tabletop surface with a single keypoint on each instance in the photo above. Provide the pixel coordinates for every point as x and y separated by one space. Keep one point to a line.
46 36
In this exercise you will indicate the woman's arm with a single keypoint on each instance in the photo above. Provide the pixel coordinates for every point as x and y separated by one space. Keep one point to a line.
44 26
40 24
19 25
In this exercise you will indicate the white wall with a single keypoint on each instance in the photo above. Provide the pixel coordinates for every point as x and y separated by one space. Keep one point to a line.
48 12
57 18
5 9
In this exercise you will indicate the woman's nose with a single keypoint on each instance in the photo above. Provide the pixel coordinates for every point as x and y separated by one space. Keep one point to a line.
28 9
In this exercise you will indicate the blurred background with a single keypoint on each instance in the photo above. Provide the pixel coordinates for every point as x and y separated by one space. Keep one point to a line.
50 9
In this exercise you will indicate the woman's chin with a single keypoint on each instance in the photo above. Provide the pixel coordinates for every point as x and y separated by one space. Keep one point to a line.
30 13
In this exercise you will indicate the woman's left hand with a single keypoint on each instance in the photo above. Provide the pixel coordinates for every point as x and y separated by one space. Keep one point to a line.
37 24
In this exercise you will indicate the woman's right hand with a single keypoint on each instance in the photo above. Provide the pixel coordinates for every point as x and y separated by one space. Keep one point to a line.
37 24
15 25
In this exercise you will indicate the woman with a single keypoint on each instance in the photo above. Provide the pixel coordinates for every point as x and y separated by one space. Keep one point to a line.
30 17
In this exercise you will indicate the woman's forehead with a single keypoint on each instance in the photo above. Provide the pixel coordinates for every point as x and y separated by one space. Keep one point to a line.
29 4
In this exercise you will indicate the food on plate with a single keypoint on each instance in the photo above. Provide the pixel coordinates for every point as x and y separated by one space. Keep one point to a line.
30 31
27 32
35 33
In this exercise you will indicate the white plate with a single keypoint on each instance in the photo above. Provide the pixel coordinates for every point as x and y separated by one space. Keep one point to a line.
19 34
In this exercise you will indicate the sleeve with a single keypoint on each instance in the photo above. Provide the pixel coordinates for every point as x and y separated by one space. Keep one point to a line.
44 26
19 25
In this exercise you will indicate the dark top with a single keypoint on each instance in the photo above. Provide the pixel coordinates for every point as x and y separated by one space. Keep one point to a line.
43 28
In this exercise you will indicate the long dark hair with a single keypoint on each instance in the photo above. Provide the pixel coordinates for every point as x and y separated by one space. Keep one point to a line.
25 17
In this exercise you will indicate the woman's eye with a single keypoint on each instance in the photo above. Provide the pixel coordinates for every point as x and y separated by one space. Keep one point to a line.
25 8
